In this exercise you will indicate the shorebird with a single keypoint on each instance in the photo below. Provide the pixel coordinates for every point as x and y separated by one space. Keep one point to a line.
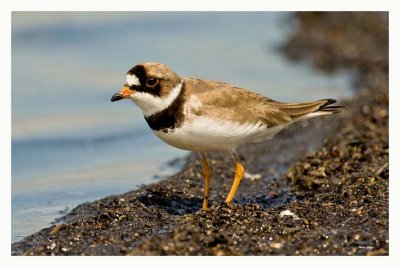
202 116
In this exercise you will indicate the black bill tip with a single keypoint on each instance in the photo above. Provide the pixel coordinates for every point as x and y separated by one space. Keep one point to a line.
116 97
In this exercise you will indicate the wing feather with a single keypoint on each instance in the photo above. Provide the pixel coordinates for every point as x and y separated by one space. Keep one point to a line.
237 104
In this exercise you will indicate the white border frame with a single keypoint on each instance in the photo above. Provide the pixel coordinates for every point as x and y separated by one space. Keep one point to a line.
181 5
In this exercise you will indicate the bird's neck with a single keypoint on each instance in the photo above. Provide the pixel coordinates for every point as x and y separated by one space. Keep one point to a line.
172 116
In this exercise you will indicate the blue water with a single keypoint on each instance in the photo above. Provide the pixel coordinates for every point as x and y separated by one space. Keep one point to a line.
70 144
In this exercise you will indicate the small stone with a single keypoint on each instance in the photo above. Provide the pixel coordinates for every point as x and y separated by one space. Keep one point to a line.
52 246
276 245
289 213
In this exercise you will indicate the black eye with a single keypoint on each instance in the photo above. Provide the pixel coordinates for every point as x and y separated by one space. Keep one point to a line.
152 82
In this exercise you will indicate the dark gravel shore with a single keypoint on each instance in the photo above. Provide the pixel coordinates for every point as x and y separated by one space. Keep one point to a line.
330 176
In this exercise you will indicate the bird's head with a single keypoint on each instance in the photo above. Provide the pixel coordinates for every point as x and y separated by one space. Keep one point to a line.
151 86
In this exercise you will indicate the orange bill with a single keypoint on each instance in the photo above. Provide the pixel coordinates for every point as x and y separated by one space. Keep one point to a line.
124 93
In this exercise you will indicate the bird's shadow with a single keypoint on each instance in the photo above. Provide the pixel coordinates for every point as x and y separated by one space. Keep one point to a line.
172 203
175 204
266 202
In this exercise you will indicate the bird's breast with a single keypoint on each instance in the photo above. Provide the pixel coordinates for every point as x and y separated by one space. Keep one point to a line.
207 134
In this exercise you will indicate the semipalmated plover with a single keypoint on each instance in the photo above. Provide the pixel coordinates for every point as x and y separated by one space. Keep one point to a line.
199 115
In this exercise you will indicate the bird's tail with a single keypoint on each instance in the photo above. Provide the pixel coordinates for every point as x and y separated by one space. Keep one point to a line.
300 111
326 107
311 109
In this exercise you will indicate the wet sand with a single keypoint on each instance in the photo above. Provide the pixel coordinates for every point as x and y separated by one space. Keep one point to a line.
330 176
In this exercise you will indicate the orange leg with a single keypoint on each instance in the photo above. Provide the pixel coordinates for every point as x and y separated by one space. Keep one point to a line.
239 171
207 178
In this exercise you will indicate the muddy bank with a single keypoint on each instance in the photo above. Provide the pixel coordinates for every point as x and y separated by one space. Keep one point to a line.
323 188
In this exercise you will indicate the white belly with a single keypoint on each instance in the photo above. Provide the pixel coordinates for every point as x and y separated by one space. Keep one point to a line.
206 134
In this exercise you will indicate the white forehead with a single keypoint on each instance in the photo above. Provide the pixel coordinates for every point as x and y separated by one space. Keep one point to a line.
132 80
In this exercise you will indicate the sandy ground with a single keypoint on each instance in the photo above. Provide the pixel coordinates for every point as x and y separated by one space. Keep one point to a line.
323 189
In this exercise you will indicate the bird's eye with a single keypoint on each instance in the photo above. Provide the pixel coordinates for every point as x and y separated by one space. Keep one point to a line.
152 82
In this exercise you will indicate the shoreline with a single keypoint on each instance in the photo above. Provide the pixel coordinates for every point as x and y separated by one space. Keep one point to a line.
329 177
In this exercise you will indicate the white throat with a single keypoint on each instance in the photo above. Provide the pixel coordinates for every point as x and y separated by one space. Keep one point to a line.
151 104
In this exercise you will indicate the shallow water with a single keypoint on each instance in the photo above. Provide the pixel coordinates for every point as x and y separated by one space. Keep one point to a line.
70 144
